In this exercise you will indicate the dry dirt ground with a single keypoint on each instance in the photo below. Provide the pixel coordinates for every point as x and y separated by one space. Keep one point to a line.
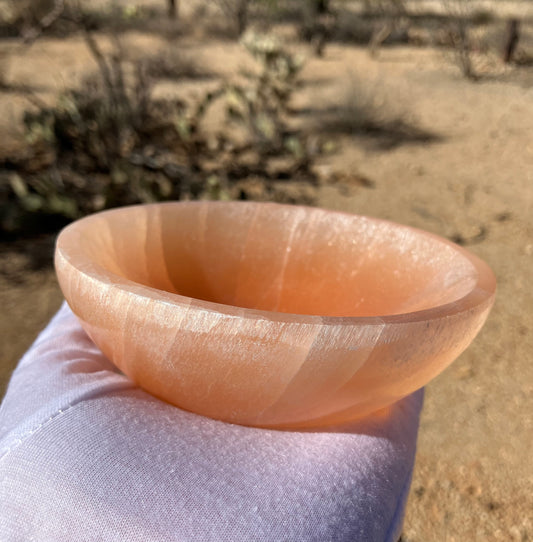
471 181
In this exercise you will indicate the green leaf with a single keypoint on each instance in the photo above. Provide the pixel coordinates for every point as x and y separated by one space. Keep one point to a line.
19 187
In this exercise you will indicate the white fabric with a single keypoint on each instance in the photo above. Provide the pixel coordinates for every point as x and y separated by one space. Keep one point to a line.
87 456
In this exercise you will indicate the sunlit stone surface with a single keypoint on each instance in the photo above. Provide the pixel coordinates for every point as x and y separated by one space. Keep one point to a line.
271 315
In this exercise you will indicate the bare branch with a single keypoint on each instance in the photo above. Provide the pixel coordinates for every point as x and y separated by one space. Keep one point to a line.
48 20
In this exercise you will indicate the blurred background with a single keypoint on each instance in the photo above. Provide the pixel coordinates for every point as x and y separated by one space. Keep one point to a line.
416 111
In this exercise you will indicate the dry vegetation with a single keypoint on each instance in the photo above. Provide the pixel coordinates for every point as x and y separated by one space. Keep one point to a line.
415 111
111 142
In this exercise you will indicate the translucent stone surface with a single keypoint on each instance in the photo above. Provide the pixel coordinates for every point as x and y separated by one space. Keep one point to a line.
271 315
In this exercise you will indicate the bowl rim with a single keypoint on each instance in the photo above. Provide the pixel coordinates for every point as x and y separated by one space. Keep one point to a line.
482 292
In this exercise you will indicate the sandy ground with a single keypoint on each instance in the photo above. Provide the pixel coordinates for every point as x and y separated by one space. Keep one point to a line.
473 182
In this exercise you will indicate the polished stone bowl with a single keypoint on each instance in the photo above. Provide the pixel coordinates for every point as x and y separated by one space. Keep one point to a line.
271 315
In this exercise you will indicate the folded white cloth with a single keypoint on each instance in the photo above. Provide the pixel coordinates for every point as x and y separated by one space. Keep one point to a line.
85 455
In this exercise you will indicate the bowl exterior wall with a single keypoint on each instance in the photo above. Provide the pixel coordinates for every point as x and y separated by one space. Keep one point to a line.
263 372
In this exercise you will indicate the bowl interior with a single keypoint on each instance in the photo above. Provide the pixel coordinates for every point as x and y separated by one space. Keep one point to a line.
280 258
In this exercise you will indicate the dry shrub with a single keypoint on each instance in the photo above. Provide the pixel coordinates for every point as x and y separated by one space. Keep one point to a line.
467 34
237 13
110 143
25 14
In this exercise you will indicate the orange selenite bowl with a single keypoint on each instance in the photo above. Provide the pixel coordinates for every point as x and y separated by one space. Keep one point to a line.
271 315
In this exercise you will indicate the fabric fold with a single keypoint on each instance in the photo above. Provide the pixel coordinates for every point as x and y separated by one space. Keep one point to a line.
88 456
